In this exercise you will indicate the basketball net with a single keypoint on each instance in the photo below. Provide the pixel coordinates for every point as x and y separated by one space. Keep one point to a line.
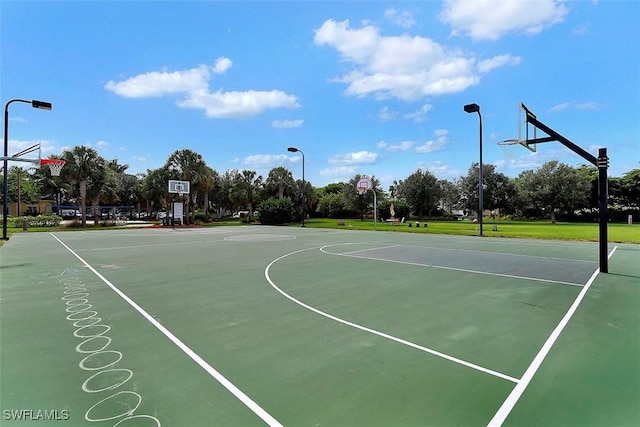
55 165
507 147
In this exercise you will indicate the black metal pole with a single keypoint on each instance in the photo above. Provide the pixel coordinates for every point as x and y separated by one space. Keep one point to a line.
480 186
5 175
173 214
304 189
603 190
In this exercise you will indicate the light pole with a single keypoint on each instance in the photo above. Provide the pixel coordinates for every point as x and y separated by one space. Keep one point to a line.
475 108
304 185
41 105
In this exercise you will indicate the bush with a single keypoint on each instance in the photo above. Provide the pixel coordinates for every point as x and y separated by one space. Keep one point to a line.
331 206
276 211
35 221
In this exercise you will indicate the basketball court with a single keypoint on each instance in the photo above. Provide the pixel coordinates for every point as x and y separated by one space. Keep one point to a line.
293 326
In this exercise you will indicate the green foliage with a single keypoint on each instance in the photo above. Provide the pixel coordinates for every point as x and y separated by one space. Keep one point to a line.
421 191
331 205
276 211
401 209
35 221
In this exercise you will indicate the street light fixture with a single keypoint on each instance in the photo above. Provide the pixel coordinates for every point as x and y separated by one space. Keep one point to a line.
304 185
475 108
41 105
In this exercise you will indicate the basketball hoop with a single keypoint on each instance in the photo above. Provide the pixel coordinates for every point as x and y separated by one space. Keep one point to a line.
55 165
507 147
364 184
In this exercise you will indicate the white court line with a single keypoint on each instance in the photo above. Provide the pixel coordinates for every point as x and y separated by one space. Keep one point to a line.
502 253
511 400
152 245
464 270
373 331
253 406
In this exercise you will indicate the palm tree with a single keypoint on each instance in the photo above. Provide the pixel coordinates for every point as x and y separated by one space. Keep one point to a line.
187 165
81 163
154 186
245 190
280 179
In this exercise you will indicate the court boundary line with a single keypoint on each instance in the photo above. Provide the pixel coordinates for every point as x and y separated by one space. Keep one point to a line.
506 253
374 331
441 267
239 394
513 397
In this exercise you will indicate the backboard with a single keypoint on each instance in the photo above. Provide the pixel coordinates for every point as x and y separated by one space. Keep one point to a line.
178 187
364 184
526 131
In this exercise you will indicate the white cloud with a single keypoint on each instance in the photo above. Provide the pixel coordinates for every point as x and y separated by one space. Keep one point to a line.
385 114
193 86
401 18
443 171
430 146
264 160
343 173
103 145
497 61
492 19
437 144
404 67
238 104
575 106
160 83
357 158
285 124
420 115
402 146
222 64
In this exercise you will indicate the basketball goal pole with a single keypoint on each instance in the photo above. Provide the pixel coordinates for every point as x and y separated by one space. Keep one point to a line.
602 163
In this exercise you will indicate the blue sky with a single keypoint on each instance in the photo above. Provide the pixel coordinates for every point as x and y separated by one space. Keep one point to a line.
369 87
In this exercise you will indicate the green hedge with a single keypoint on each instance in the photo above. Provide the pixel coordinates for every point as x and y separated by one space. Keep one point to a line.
276 211
35 221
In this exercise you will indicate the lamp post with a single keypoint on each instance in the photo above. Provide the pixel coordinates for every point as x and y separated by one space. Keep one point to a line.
304 185
41 105
475 108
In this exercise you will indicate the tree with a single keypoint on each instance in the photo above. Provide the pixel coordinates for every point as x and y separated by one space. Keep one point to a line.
187 165
280 182
360 203
630 191
22 188
155 188
101 183
555 188
51 187
246 188
331 205
498 191
449 195
421 191
81 163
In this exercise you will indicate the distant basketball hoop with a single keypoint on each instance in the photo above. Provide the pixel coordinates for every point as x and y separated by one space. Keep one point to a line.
364 185
55 165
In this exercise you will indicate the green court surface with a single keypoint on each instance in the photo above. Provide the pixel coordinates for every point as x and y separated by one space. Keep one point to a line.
247 326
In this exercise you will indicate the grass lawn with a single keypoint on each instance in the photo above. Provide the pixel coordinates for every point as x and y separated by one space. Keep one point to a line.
618 233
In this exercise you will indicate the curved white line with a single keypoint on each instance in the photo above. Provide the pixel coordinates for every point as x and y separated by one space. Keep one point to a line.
373 331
